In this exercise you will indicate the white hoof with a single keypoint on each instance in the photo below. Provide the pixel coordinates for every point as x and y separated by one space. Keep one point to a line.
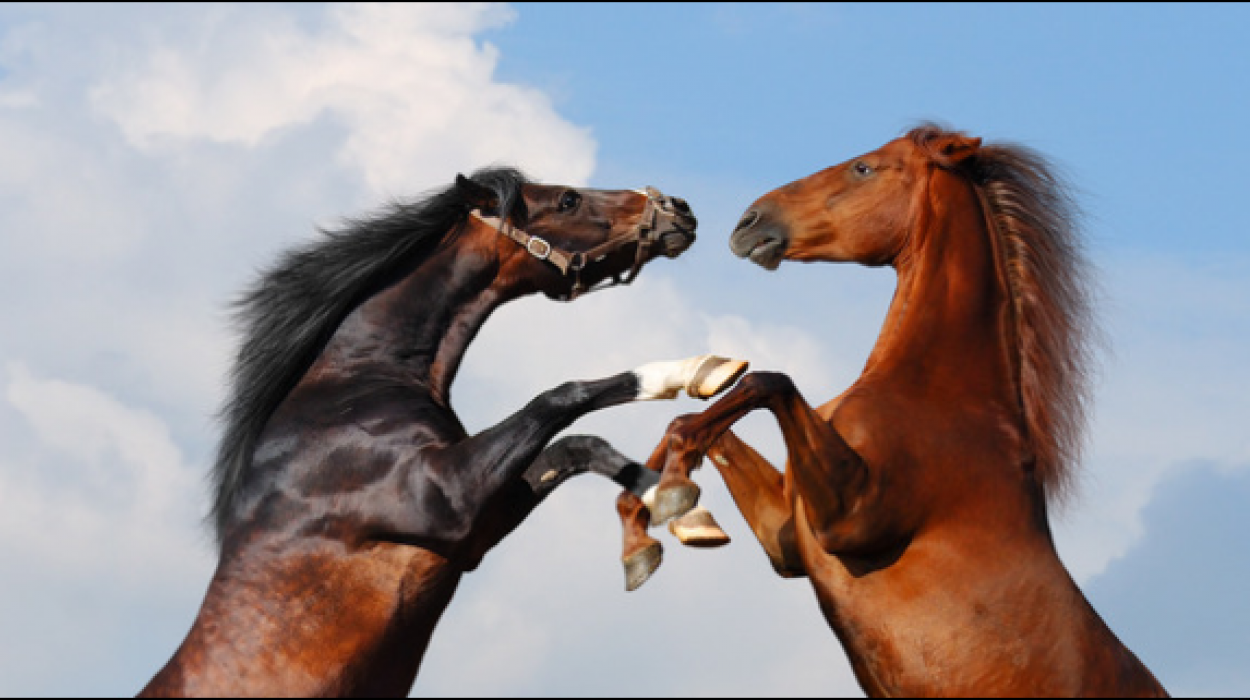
698 529
713 374
701 377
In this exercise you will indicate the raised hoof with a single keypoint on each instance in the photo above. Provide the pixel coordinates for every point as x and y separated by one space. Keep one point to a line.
641 564
713 375
673 502
698 529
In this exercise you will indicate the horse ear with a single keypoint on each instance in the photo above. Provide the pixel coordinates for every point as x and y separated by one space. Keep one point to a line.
954 149
476 194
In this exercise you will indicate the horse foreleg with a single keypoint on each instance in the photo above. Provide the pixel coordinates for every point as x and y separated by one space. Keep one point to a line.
762 495
574 455
585 454
641 553
690 437
756 487
832 479
824 470
582 454
517 440
497 456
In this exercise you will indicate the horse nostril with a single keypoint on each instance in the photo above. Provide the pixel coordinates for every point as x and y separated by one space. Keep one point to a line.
680 205
748 220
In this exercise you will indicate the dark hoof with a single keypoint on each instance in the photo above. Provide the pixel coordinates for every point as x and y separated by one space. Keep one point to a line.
641 564
674 502
698 529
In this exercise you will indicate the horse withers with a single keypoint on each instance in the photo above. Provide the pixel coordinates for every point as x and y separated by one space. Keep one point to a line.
916 502
349 499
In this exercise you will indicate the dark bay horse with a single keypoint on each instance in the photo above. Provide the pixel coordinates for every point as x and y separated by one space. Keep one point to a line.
349 499
916 502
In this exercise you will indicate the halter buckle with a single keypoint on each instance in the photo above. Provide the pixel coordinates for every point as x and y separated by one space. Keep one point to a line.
539 248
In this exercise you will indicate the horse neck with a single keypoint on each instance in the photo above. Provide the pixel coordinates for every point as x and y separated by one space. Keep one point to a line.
419 328
950 324
949 336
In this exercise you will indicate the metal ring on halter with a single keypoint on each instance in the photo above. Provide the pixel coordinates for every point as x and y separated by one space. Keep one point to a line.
543 248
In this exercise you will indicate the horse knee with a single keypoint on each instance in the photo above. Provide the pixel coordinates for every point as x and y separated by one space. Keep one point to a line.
680 436
764 383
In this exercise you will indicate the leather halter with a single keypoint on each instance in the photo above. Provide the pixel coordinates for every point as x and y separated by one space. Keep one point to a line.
658 214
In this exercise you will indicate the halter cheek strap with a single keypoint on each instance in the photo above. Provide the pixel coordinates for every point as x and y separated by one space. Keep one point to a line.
536 246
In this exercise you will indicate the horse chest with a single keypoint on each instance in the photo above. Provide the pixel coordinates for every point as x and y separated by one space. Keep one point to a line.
950 618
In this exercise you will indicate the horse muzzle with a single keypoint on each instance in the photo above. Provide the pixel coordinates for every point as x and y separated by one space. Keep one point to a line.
760 239
671 221
677 239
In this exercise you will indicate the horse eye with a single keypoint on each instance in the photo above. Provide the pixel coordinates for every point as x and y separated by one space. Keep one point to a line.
569 201
862 169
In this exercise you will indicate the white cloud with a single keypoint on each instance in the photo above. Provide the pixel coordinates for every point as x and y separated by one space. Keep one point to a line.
17 100
409 82
67 206
128 513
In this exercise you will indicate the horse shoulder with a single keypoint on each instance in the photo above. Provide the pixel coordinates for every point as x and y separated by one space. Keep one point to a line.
871 420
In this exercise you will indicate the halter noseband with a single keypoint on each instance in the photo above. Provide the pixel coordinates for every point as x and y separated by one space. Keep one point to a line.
659 213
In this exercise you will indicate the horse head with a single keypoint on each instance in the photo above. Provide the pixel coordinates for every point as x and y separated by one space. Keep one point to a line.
570 240
861 210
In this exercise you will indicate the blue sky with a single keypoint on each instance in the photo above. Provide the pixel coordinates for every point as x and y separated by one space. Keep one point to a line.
155 156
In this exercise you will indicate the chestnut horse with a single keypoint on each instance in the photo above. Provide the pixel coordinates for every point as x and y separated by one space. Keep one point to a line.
349 497
916 501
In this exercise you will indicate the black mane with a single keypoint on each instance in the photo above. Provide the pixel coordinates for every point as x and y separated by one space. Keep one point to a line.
287 316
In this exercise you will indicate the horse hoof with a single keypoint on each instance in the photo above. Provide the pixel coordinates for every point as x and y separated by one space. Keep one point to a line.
713 375
698 529
641 564
672 502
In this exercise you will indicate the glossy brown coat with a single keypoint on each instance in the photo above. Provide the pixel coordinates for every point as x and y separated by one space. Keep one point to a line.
916 502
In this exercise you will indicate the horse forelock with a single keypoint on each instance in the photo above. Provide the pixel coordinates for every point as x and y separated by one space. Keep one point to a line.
294 307
1054 294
